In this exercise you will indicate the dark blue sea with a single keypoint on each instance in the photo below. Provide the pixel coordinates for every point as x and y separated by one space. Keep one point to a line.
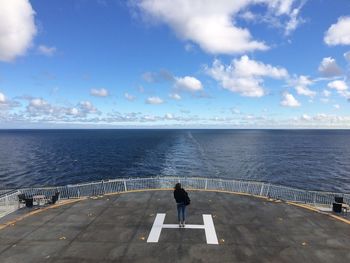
306 159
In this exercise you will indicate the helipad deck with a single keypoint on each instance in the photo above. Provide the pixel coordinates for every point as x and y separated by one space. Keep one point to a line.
116 229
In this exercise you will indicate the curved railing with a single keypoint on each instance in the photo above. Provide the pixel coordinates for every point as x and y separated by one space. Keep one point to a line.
9 201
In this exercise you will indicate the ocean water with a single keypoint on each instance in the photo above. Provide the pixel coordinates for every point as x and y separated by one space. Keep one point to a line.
306 159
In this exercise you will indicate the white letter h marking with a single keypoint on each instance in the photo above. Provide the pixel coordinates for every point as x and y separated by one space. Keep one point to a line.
208 227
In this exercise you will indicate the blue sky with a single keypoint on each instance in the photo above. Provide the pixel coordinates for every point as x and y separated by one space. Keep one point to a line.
176 64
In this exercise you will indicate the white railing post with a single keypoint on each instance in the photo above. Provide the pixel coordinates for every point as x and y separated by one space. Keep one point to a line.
103 187
262 189
6 201
206 184
314 198
125 188
268 190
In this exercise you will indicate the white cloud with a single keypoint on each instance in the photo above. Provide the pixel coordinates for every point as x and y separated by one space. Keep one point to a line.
154 100
47 51
323 120
289 100
17 28
281 6
283 14
293 22
73 111
2 98
86 107
248 15
306 117
169 116
212 24
338 85
329 67
326 93
341 87
175 96
339 33
99 92
129 97
336 106
244 75
347 56
188 83
207 23
301 84
6 104
39 106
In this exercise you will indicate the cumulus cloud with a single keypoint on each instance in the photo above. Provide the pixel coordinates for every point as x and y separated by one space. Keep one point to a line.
207 23
17 28
306 117
326 93
169 116
244 75
154 100
347 56
47 51
288 100
283 14
188 83
129 97
323 120
99 92
247 15
73 111
301 85
340 86
212 24
2 98
175 96
86 107
329 67
39 106
294 20
338 33
7 104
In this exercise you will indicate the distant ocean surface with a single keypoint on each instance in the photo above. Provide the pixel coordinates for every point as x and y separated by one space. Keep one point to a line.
306 159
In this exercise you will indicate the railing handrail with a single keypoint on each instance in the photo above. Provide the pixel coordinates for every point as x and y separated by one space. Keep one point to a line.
179 177
9 200
176 177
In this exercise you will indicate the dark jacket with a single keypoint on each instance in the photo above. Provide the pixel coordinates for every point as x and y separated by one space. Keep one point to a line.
180 195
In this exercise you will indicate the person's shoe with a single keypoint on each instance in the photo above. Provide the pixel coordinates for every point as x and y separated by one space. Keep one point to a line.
183 224
180 224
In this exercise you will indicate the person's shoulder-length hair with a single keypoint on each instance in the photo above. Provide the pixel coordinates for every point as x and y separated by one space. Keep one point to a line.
177 186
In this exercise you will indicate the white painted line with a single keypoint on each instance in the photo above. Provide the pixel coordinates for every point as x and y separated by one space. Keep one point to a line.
208 227
186 226
156 229
210 232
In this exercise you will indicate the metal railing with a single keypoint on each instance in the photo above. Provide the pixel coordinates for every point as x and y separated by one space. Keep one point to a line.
9 201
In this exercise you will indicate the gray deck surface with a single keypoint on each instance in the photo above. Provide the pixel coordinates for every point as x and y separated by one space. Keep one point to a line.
115 229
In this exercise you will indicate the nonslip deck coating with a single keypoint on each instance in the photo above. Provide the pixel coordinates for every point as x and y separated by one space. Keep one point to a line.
115 229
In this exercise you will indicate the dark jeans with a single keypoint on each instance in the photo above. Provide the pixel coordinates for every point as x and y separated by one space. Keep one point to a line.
181 211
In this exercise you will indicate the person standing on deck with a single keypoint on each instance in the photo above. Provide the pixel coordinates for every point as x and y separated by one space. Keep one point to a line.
182 200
